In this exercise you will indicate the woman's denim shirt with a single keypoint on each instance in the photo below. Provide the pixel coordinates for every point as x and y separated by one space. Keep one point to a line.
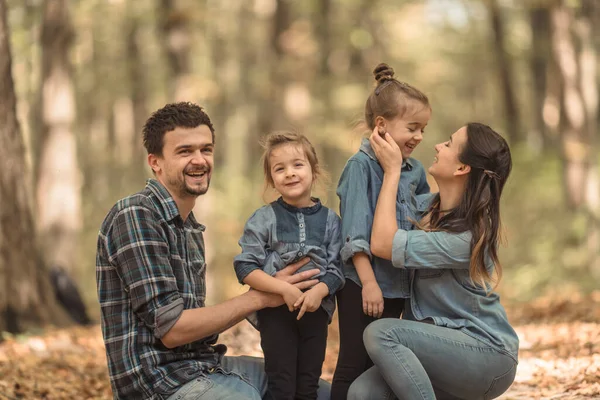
442 292
279 234
358 190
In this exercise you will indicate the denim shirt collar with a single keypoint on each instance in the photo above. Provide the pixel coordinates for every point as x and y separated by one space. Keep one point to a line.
304 210
365 147
169 206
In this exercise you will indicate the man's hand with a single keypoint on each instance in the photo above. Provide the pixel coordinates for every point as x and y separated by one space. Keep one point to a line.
302 280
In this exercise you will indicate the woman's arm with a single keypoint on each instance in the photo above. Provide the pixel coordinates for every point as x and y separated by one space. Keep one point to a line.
410 249
384 221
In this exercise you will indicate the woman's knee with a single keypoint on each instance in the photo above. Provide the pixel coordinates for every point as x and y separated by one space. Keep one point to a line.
360 389
378 334
370 385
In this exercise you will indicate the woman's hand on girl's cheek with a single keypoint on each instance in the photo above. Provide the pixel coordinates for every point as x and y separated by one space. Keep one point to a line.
387 151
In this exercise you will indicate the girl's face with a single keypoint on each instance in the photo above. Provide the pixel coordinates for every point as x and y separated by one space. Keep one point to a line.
446 163
292 174
407 130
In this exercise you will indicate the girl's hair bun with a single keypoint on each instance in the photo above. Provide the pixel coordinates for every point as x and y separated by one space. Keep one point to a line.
383 73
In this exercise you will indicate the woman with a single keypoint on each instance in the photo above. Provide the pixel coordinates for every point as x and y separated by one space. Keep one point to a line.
455 340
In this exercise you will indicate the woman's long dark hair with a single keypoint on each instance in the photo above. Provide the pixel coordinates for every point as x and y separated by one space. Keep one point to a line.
488 155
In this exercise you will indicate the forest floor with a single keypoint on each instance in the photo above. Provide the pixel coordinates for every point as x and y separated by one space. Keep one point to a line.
559 356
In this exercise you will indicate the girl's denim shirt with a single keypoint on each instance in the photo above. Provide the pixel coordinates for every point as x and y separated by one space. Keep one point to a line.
442 291
358 190
279 234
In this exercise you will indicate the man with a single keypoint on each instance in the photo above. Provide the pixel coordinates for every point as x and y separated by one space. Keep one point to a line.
150 270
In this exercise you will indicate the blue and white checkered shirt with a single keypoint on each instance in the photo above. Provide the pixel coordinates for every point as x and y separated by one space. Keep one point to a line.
149 268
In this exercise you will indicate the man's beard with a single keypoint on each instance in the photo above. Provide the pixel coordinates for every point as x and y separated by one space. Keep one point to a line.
196 191
185 189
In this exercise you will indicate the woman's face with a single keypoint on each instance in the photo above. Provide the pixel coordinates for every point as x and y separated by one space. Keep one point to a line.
446 164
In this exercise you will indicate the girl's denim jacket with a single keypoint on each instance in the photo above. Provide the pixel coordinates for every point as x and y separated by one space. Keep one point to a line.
358 190
442 291
279 234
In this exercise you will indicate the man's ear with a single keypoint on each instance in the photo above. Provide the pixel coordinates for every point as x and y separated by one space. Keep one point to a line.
464 169
153 162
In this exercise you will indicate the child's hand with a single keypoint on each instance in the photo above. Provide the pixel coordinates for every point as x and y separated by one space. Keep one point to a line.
291 296
372 299
311 299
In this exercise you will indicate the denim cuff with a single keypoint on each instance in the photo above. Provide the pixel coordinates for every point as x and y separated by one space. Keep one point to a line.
399 248
167 316
242 270
351 247
334 283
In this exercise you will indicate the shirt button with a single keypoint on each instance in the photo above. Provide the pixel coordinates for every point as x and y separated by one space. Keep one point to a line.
301 225
301 244
300 254
402 201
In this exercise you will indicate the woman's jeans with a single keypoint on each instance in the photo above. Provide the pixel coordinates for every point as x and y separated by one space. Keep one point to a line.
416 360
238 378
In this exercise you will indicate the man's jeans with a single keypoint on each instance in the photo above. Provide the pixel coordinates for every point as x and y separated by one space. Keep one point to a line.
238 378
415 360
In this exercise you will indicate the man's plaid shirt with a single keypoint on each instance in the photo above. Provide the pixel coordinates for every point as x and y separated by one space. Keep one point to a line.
149 268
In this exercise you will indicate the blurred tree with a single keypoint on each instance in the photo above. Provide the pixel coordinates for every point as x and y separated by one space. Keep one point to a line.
575 53
26 296
58 175
539 18
271 113
505 73
139 92
176 39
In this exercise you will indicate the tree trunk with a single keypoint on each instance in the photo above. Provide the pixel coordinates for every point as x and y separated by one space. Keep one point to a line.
513 126
539 17
271 112
574 140
574 50
59 176
26 297
176 40
588 61
137 80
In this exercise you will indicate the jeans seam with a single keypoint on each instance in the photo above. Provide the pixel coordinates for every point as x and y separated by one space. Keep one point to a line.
446 340
222 371
493 384
410 373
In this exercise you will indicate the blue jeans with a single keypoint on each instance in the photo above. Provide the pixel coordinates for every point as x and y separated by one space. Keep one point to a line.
416 360
238 378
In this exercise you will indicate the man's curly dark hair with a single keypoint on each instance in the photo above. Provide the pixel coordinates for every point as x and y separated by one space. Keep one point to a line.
171 116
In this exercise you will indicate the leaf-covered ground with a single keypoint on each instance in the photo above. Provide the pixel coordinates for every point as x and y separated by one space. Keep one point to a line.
559 358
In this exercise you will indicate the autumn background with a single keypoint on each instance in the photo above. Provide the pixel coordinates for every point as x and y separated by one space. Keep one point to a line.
78 78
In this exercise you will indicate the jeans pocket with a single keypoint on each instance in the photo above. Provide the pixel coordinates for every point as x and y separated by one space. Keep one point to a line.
501 383
193 389
430 273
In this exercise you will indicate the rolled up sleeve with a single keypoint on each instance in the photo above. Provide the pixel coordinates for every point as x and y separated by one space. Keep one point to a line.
253 243
431 250
138 249
334 277
357 218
